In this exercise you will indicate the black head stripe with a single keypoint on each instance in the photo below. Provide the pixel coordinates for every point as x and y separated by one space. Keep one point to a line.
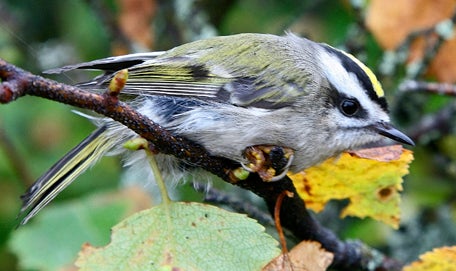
353 67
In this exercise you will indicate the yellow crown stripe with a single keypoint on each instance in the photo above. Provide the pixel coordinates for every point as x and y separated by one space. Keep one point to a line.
375 83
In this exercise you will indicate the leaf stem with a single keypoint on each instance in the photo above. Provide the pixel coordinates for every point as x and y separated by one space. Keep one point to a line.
158 178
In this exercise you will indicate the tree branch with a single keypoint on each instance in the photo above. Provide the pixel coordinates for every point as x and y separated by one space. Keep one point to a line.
294 215
428 87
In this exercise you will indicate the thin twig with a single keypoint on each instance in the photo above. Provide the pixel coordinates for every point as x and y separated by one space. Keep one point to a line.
278 224
18 83
428 87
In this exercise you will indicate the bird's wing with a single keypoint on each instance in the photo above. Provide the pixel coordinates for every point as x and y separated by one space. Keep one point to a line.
109 64
244 75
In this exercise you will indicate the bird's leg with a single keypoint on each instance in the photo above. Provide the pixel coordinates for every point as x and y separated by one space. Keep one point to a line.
270 162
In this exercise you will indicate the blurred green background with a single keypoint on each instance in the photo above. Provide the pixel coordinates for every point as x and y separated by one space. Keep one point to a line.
39 35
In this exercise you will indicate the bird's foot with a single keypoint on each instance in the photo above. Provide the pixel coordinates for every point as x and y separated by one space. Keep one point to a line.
270 162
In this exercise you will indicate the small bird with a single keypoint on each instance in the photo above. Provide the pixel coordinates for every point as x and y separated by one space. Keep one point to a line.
230 94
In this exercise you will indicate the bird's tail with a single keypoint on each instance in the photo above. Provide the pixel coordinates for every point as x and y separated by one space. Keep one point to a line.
64 172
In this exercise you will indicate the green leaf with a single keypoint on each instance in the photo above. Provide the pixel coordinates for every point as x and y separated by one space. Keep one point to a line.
187 236
53 239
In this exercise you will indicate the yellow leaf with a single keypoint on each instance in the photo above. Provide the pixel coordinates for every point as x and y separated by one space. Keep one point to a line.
440 259
370 179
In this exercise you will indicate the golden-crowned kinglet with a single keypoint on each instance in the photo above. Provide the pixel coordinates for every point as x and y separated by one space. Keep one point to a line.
230 93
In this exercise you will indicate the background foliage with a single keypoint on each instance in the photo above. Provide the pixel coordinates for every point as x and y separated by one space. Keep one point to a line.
38 35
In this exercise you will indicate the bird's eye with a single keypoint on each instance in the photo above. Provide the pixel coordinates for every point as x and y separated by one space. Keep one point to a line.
349 107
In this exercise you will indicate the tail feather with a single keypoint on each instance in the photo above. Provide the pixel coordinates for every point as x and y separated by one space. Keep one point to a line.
64 172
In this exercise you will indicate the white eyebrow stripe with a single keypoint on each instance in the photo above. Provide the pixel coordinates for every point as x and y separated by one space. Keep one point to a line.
345 82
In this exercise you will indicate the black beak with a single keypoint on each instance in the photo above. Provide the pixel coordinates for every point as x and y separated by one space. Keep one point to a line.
386 129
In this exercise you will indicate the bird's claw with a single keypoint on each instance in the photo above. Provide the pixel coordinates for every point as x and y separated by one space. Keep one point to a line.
270 162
